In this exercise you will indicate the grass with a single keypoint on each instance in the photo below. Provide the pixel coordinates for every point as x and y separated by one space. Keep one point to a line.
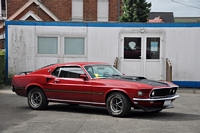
2 52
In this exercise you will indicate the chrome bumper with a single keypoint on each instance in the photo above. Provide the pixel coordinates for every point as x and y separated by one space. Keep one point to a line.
156 99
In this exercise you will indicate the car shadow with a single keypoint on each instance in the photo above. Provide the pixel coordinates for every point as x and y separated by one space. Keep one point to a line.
136 114
163 116
78 109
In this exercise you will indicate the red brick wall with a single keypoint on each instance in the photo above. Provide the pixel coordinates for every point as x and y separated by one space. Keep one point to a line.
113 10
90 9
61 8
2 29
1 45
14 5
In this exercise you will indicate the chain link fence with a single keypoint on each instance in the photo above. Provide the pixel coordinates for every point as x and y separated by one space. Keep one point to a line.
2 66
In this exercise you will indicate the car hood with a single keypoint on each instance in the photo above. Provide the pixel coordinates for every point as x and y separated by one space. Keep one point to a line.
140 82
144 81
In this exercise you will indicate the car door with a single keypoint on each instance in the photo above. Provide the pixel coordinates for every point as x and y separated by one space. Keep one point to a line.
69 86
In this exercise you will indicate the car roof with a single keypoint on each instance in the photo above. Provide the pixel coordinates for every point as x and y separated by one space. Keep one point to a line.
84 63
71 64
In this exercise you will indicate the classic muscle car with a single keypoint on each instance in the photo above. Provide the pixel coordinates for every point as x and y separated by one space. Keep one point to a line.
93 83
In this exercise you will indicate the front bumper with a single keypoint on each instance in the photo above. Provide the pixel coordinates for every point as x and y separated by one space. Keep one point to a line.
154 104
156 99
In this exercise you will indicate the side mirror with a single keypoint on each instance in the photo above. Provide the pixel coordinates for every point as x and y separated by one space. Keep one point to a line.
83 76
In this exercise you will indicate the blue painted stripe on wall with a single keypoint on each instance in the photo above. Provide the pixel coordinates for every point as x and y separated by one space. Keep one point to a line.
6 35
102 24
187 84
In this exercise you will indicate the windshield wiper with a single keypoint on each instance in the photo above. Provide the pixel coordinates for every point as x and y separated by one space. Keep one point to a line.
116 75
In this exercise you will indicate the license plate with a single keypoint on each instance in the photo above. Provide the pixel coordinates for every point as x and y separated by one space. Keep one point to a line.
167 103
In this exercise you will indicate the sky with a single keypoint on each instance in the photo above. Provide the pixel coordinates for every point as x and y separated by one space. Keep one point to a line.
179 10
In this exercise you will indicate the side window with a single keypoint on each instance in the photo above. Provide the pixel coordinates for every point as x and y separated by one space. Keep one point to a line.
90 71
56 72
70 72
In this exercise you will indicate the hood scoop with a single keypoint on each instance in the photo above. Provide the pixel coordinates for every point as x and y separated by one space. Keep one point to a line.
133 77
144 81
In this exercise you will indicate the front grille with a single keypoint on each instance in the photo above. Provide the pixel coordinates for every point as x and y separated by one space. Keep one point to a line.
163 92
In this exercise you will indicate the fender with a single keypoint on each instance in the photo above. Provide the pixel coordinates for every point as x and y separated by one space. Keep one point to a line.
33 84
112 90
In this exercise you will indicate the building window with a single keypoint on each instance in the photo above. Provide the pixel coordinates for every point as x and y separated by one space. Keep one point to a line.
102 10
47 45
77 10
74 46
3 8
153 48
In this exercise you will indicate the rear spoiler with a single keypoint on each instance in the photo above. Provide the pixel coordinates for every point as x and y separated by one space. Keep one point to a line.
26 72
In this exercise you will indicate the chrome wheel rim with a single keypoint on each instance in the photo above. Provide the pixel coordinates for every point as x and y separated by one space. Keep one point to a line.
35 99
116 105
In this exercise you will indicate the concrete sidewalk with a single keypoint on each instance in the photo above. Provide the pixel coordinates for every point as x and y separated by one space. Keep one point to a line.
180 90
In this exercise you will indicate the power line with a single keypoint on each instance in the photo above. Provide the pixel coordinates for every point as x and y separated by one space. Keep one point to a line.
185 4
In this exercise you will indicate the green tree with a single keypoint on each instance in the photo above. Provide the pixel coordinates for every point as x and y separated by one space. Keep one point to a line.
135 11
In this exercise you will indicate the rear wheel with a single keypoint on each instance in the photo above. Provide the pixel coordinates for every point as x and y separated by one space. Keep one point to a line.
37 99
118 104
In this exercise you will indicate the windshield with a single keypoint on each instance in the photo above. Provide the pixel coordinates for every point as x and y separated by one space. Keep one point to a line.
102 71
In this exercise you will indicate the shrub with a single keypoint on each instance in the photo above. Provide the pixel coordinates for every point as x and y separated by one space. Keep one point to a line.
2 66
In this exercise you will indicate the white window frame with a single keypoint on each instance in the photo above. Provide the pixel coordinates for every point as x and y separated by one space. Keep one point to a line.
77 10
85 46
102 10
47 55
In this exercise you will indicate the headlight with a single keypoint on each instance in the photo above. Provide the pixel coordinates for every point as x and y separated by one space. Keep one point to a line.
152 93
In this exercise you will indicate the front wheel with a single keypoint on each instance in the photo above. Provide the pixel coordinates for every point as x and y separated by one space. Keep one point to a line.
118 104
37 99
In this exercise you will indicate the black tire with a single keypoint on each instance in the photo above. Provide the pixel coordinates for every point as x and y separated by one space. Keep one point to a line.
118 104
37 99
74 104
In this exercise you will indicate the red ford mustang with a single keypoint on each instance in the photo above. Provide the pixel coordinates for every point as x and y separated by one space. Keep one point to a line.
93 83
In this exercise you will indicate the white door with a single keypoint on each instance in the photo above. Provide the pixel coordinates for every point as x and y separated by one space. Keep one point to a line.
141 55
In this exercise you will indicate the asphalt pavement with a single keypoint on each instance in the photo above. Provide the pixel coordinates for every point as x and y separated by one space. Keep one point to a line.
17 117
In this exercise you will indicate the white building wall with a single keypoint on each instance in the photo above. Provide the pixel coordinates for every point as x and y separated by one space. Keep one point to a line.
21 49
103 44
181 47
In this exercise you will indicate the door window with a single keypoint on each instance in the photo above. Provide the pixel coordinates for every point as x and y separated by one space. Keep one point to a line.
68 72
132 48
153 48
